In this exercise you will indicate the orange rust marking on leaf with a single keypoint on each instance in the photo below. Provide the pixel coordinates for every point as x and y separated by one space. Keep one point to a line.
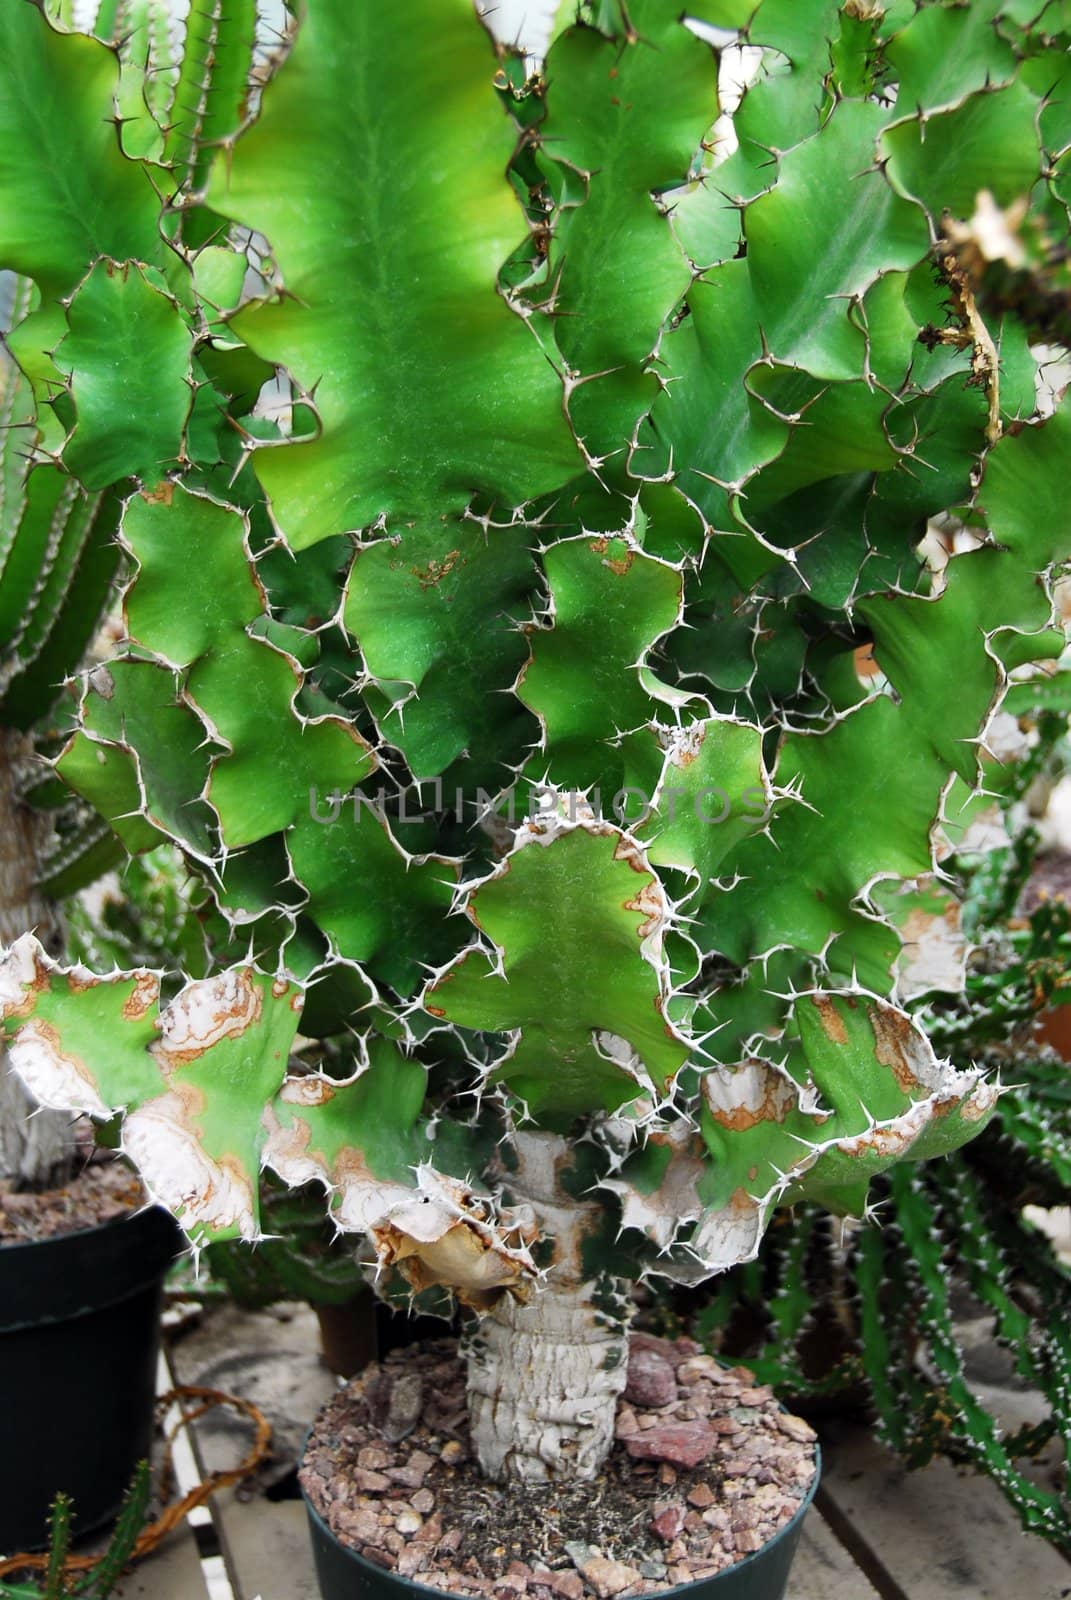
777 1099
80 983
891 1033
882 1142
832 1022
648 904
245 1010
192 1099
146 992
976 1106
619 564
436 571
162 495
624 851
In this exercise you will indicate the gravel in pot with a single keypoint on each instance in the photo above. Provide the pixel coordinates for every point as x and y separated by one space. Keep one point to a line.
707 1469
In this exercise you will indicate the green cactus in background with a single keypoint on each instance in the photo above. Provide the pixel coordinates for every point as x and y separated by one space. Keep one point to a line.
513 470
100 1580
57 565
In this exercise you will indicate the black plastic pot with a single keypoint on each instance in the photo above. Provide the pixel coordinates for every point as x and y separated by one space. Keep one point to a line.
344 1575
79 1341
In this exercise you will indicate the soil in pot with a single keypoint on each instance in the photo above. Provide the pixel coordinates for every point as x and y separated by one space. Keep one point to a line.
706 1470
101 1190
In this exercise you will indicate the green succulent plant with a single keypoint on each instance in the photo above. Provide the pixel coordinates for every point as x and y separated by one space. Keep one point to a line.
100 1580
513 470
874 1316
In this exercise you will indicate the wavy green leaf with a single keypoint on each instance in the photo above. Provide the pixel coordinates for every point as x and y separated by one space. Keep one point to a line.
61 214
389 218
127 358
577 915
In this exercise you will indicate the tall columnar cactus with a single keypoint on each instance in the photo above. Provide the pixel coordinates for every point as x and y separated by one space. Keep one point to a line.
607 435
57 565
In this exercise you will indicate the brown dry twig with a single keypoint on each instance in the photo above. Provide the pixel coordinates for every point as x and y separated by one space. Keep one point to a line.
985 362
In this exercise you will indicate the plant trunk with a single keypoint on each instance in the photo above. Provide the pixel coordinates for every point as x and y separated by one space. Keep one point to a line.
36 1147
544 1375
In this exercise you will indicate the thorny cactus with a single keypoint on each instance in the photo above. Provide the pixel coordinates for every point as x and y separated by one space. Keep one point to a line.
103 1575
604 432
829 1313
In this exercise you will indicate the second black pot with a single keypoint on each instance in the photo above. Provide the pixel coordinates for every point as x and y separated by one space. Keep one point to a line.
79 1342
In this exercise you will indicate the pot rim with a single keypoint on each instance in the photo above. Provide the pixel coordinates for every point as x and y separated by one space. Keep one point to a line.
93 1228
426 1590
69 1275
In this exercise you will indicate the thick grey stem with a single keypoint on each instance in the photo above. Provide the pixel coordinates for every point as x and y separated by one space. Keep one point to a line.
544 1376
36 1146
543 1384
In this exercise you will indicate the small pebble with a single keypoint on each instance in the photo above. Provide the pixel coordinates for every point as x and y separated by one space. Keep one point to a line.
370 1482
578 1552
412 1559
685 1444
697 1367
569 1584
608 1578
668 1520
380 1558
651 1380
796 1428
360 1524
